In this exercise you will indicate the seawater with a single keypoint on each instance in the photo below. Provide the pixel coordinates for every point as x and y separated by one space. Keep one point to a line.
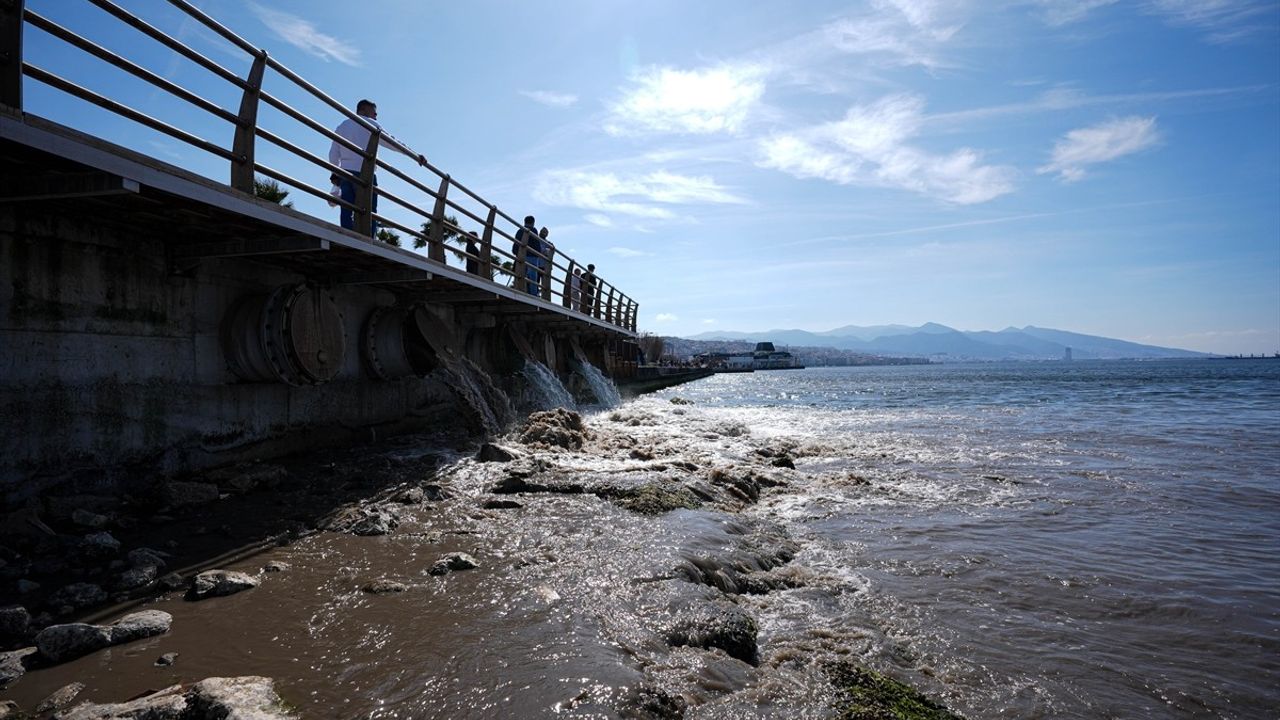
1088 539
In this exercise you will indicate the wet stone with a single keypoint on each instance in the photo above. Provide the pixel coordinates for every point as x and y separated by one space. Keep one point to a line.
60 643
410 496
166 659
384 587
490 452
501 504
15 623
276 566
100 544
13 664
60 698
137 577
453 561
718 625
87 519
78 595
217 583
172 581
9 710
143 557
176 494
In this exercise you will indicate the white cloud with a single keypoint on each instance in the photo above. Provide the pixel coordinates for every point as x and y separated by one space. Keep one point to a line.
1065 12
901 32
642 196
303 34
598 219
665 317
1224 20
1100 143
869 147
627 252
549 98
667 100
709 321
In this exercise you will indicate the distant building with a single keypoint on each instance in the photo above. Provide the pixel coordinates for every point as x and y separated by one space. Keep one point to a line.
1066 355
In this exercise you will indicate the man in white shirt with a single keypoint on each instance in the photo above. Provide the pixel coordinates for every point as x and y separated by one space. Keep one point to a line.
351 161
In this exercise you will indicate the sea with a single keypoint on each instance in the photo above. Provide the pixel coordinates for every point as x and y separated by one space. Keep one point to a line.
1058 539
1015 540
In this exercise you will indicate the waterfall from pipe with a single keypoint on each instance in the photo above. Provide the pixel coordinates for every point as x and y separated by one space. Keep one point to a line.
545 389
488 406
602 387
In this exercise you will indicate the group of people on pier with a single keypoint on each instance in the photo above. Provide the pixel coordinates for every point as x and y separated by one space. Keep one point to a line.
581 287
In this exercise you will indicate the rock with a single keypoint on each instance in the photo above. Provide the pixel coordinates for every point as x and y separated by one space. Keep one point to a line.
722 626
410 496
26 586
135 578
14 664
494 453
640 454
217 583
136 626
60 643
246 478
247 698
864 693
100 544
87 519
15 623
60 698
167 704
276 566
453 561
558 428
375 522
172 581
166 659
680 401
177 494
78 595
25 522
142 557
784 461
436 493
65 507
10 710
501 504
384 587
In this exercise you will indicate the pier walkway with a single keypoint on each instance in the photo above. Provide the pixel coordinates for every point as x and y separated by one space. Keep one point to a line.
59 162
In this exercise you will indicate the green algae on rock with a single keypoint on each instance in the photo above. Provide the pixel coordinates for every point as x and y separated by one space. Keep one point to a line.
865 694
656 499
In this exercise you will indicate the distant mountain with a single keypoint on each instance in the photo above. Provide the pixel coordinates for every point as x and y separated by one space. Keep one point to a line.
941 342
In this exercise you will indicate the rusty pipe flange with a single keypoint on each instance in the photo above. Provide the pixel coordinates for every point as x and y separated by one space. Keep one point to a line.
312 333
383 348
271 334
242 343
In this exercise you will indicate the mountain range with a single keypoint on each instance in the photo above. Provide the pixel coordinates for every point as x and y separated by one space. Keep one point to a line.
941 342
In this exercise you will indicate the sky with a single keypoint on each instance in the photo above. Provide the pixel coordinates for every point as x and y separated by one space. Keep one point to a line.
1109 167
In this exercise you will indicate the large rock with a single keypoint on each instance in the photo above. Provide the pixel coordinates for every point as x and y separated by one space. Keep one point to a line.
137 577
60 643
453 561
167 704
216 583
494 453
78 595
15 622
238 698
558 428
60 698
14 664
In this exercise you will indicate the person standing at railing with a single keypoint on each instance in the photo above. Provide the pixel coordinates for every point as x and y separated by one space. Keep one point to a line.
589 289
351 161
575 290
528 237
473 253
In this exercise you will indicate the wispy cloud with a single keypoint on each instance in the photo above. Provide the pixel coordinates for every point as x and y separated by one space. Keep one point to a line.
668 100
898 32
645 196
665 317
1066 98
303 34
1065 12
598 219
626 252
550 98
1223 21
869 147
1100 143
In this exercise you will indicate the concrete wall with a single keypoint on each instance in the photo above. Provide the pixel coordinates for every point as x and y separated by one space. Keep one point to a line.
109 360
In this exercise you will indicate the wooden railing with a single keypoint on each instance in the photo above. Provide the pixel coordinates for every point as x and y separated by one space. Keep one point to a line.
485 255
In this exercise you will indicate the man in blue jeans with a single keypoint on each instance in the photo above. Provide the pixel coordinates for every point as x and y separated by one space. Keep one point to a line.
351 161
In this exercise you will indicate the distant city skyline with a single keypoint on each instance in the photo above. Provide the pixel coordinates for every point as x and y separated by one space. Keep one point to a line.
1109 168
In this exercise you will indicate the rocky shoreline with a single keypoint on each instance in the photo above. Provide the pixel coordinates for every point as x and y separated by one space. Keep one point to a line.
684 611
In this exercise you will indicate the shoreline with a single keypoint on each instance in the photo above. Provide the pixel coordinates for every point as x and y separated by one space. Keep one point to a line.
436 501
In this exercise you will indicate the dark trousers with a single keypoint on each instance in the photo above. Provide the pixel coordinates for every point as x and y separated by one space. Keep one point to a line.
347 186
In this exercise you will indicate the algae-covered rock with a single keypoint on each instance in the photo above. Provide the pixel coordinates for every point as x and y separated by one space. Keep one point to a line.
556 428
656 498
864 694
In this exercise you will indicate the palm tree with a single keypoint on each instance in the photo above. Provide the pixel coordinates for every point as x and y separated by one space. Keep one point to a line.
271 191
389 238
448 231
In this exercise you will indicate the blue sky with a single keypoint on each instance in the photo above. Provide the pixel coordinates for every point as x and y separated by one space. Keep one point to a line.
1109 167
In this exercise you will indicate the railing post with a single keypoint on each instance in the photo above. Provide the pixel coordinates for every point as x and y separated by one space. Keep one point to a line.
635 314
435 243
11 53
364 189
547 268
246 124
609 308
568 284
486 245
521 283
